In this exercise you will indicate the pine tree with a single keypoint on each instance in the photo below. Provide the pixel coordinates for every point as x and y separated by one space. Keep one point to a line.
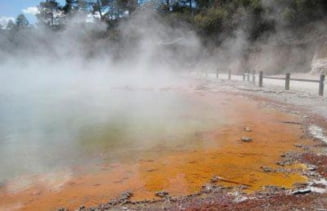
49 13
22 22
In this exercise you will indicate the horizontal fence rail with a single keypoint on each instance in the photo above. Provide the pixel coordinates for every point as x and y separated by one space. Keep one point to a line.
247 77
292 79
288 79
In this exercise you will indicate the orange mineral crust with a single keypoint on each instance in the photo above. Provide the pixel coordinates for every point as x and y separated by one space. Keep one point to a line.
177 168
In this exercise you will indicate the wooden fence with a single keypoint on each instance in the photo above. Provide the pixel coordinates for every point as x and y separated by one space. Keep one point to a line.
251 76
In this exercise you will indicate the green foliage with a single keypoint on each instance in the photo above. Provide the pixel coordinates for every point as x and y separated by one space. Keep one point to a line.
21 22
48 15
11 25
298 12
211 20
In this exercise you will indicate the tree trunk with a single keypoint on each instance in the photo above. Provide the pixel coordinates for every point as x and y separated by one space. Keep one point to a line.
52 17
99 9
191 7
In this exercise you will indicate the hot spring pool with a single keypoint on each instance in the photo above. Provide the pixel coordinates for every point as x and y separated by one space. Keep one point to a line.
42 133
85 148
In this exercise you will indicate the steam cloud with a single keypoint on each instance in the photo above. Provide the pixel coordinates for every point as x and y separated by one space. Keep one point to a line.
63 78
56 84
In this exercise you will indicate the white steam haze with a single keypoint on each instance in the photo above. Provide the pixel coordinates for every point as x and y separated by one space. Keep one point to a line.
57 85
4 20
282 50
31 10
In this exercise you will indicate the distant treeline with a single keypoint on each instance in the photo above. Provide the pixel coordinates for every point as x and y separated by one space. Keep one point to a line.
213 20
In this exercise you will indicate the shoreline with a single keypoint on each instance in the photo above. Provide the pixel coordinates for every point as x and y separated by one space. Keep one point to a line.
309 195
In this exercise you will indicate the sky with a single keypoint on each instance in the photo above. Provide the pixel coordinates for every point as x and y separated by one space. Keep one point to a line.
10 9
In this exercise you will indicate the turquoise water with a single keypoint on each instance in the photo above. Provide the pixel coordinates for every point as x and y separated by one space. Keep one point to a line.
56 128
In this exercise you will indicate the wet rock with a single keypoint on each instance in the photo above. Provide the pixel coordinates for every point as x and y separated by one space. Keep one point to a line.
246 139
82 208
284 163
215 179
207 188
240 198
106 206
126 195
283 170
301 185
311 174
301 191
312 167
247 129
298 145
112 202
319 185
124 198
286 155
243 187
273 189
162 194
266 169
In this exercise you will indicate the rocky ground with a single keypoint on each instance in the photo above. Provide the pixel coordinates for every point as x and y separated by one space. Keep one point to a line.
305 196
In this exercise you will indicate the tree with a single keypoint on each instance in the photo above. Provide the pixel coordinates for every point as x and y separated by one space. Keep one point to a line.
10 25
49 13
22 22
98 7
201 4
211 21
112 10
127 5
70 7
83 5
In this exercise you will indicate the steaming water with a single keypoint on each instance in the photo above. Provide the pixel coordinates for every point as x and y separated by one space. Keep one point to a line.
58 122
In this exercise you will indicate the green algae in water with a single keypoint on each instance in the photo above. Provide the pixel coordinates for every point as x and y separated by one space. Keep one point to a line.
52 132
166 124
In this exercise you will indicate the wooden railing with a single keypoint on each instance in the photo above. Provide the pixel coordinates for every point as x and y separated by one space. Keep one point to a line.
251 76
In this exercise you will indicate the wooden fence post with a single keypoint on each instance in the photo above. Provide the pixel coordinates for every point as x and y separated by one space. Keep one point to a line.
248 76
229 74
287 81
261 79
243 76
321 85
253 77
